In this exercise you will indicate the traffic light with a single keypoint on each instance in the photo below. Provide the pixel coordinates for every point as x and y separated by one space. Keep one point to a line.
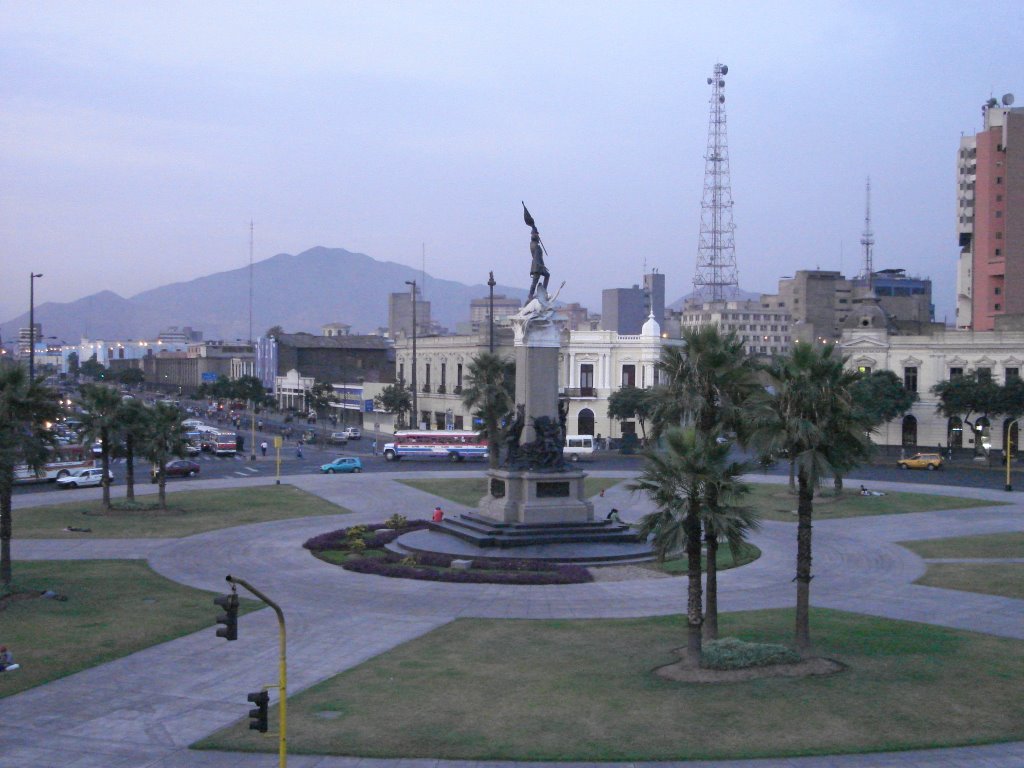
230 616
258 716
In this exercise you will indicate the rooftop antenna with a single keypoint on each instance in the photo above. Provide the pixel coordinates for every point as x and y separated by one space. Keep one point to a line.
252 226
716 277
867 239
423 270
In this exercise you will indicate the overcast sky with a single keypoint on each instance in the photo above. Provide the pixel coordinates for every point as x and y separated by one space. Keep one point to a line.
137 140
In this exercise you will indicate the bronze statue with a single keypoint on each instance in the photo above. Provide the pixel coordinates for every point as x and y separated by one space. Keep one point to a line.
512 435
537 268
544 454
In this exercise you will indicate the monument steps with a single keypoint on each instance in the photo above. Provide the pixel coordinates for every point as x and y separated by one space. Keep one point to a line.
486 534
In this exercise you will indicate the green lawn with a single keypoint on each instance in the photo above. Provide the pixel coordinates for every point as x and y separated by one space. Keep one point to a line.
188 512
468 491
776 502
114 608
748 553
585 691
985 545
1001 579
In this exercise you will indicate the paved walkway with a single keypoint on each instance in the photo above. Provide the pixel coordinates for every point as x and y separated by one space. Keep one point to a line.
143 710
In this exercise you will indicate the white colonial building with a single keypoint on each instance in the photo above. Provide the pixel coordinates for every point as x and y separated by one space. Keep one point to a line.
922 362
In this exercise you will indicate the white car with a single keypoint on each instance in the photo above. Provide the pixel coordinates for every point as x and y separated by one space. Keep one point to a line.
82 478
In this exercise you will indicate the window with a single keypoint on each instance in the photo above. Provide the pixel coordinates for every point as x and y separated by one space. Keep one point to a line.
984 374
998 290
865 369
956 372
401 372
629 375
426 375
587 380
910 378
1012 374
998 307
999 251
999 214
444 373
458 376
999 179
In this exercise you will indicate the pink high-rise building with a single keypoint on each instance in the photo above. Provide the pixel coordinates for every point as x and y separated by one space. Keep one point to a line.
990 176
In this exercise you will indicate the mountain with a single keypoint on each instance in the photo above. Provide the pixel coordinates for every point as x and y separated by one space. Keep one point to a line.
298 292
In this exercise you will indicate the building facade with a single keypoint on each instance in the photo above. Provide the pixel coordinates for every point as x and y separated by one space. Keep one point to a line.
764 330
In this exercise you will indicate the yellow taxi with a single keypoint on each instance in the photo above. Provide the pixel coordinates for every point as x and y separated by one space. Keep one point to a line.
921 461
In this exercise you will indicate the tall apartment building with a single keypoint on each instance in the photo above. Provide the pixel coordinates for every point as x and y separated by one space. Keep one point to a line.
990 220
400 314
625 310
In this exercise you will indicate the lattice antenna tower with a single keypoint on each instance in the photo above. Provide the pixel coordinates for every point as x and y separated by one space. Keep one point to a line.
716 278
867 239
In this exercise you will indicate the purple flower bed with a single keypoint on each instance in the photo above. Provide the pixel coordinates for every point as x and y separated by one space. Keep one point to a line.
503 571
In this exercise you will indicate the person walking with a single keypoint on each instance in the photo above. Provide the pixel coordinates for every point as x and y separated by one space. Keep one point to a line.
298 450
263 447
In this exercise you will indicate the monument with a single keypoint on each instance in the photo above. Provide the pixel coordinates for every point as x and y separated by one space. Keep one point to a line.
536 485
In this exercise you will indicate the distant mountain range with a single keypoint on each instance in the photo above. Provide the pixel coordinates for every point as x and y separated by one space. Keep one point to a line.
299 293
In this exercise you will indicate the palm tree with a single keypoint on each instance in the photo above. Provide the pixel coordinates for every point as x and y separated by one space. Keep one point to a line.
490 394
25 409
101 421
134 422
164 438
705 384
808 412
692 483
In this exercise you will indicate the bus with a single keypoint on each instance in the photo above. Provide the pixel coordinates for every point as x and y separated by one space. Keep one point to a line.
63 460
220 443
453 444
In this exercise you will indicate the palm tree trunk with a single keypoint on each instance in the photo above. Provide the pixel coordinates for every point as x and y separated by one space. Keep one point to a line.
163 484
105 464
129 467
805 509
694 619
711 599
6 487
837 483
792 474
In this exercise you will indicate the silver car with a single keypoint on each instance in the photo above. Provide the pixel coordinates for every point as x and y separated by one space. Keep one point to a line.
82 478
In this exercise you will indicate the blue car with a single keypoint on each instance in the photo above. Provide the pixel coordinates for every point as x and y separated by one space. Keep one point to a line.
343 464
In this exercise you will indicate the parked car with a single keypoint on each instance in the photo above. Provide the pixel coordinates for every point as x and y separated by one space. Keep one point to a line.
176 468
82 478
343 464
338 438
921 461
353 433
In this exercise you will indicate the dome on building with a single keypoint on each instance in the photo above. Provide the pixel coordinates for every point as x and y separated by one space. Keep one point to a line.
867 315
651 327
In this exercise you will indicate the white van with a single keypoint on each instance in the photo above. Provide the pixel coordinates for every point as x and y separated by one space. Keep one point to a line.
578 445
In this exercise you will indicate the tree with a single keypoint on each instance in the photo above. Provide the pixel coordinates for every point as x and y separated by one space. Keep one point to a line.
630 402
394 399
101 421
881 396
490 393
93 369
692 484
275 331
73 365
131 377
249 388
967 396
25 409
320 396
164 438
133 420
808 412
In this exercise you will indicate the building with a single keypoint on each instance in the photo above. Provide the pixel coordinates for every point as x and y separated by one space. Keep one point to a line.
763 328
26 339
625 310
479 310
922 362
400 313
990 218
175 335
335 329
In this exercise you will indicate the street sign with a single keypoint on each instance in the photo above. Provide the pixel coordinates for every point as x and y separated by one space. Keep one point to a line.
209 376
367 406
278 441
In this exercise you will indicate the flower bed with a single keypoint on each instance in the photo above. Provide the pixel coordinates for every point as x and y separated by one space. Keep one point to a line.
364 546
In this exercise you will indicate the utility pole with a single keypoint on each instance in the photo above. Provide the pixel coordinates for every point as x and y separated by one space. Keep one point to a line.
490 314
415 411
32 325
868 241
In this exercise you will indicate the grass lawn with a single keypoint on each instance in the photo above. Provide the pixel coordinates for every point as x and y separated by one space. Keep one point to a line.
776 502
748 553
468 491
1002 579
188 512
985 545
114 608
480 689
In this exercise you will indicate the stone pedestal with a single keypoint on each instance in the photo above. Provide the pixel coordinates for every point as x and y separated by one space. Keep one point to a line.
516 497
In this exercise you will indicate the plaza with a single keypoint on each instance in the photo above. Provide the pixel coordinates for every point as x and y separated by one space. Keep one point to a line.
146 708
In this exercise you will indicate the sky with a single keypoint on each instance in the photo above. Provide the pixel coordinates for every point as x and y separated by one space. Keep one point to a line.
138 140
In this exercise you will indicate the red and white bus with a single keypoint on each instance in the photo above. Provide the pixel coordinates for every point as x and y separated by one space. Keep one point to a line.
452 444
63 460
220 443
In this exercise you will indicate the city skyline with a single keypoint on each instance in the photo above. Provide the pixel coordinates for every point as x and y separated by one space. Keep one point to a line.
138 142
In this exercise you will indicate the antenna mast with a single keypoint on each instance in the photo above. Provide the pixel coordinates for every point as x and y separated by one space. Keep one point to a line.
868 241
251 227
716 278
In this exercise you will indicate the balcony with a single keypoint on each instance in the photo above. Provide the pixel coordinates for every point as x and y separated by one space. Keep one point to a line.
581 392
426 388
442 389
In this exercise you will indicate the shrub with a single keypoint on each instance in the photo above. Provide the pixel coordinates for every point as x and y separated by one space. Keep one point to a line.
409 561
397 521
732 653
356 546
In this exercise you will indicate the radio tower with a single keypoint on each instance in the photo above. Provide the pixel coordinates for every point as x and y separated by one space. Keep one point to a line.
867 239
716 278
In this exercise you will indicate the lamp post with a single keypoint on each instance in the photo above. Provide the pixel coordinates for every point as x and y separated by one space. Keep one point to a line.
490 314
415 411
1009 451
32 325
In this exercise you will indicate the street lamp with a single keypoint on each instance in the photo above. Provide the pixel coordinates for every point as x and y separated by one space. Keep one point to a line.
490 314
32 325
1009 451
415 411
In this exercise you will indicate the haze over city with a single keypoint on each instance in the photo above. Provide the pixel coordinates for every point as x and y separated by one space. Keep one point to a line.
138 141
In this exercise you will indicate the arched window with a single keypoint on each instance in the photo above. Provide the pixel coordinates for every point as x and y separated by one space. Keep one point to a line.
955 433
909 430
585 422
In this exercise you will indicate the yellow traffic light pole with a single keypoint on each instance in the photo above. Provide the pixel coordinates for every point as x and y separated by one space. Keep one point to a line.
1009 451
282 685
278 440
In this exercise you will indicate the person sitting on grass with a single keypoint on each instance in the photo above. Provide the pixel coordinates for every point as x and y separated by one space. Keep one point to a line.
438 515
6 659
